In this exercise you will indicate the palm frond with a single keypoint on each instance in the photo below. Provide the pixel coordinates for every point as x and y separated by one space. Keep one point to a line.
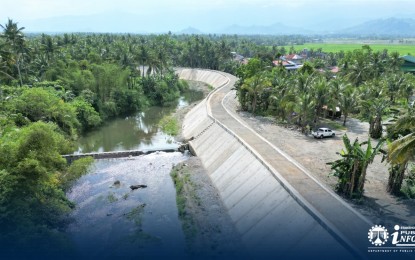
402 149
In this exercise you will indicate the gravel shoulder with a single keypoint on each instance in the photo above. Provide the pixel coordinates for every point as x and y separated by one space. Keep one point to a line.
314 154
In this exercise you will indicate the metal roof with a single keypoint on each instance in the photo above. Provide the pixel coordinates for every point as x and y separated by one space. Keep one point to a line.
409 58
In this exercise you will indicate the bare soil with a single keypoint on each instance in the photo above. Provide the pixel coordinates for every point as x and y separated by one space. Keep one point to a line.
209 230
314 154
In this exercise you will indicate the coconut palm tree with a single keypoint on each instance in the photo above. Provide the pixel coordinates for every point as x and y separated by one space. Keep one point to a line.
14 37
335 89
347 100
49 46
401 150
376 64
358 70
407 88
304 109
394 83
320 90
254 87
395 62
13 34
143 56
282 98
374 109
4 62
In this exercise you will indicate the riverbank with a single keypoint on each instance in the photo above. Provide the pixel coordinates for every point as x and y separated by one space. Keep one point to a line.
208 229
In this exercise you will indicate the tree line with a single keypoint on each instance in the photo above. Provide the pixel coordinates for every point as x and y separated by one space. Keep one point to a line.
369 85
53 88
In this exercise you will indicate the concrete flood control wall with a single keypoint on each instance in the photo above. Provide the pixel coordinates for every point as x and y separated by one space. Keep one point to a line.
269 218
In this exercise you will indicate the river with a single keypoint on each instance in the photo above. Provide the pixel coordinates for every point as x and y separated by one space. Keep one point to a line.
135 132
111 219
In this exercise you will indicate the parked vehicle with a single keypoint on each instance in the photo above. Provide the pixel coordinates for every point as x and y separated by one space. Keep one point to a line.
323 132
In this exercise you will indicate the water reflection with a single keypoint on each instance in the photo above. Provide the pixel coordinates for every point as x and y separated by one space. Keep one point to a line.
139 131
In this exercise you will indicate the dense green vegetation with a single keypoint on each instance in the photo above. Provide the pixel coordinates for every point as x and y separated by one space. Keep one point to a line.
33 205
369 85
54 88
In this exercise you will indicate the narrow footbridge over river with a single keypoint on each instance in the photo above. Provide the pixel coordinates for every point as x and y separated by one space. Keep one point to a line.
279 208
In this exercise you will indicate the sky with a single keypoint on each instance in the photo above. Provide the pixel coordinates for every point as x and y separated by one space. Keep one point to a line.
207 15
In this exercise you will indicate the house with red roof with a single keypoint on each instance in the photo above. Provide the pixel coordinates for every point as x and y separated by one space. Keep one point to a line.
297 59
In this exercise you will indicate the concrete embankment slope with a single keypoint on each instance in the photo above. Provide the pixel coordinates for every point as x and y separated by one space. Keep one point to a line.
273 218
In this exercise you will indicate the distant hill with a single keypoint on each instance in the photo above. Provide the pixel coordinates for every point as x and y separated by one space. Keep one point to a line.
119 22
390 26
274 29
189 30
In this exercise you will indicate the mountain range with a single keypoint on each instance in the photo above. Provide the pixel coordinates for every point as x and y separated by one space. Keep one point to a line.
274 29
380 27
130 23
390 26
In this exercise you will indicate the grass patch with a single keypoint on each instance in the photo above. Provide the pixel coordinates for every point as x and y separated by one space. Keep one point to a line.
185 190
337 47
169 125
183 85
332 124
136 215
111 198
139 237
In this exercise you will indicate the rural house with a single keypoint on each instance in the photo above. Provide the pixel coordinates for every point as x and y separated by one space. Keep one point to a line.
409 64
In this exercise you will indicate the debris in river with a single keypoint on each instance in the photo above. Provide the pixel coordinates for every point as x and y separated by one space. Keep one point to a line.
139 186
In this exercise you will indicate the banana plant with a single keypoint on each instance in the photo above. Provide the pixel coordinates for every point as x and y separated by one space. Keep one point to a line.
352 167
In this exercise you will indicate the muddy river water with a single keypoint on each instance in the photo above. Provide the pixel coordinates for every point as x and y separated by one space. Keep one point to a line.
111 219
138 131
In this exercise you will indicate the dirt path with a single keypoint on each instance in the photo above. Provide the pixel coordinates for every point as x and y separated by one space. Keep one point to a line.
378 205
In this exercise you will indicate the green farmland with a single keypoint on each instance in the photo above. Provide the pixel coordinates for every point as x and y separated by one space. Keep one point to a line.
336 47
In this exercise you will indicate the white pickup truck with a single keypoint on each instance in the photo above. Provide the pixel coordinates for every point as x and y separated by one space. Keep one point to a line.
323 132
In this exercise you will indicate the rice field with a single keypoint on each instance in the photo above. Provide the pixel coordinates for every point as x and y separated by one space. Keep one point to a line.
337 47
